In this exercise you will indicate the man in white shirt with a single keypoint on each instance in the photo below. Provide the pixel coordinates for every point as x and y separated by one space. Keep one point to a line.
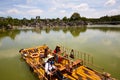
51 70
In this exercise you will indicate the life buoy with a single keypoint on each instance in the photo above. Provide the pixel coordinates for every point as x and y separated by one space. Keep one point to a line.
35 55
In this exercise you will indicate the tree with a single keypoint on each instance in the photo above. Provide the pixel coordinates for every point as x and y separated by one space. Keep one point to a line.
38 19
105 18
115 18
9 20
25 21
83 18
65 18
57 19
75 16
16 22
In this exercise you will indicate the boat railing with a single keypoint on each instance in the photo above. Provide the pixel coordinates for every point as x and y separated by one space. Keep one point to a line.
86 58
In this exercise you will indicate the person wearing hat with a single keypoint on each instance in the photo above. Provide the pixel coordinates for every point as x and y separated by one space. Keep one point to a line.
51 70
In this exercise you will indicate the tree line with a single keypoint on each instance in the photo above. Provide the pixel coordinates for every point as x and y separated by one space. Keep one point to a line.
74 20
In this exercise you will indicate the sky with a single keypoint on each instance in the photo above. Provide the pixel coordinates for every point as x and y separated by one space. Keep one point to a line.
58 8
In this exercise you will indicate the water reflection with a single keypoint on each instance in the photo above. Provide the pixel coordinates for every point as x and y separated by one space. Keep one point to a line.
75 31
106 29
9 33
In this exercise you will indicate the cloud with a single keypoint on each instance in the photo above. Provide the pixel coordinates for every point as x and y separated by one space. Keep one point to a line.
24 6
114 12
1 13
13 11
59 8
29 1
81 7
66 6
35 12
52 9
110 2
63 11
69 5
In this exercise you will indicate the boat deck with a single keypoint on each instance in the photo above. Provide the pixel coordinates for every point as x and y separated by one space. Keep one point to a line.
79 71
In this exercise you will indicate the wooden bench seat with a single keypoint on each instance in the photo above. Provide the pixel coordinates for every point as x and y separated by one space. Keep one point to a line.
60 67
77 62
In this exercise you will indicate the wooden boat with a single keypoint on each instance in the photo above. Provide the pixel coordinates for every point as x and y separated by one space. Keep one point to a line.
33 57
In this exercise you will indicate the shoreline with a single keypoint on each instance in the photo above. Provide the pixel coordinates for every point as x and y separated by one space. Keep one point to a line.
44 27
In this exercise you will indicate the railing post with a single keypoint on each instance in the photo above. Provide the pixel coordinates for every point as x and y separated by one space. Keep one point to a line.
85 58
92 60
81 55
88 58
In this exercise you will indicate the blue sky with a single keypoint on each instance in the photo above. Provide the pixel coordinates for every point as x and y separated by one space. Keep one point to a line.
58 8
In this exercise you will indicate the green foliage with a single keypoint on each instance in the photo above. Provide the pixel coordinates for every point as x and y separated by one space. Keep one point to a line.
65 18
110 18
57 19
105 18
83 18
115 18
3 24
37 18
75 17
16 22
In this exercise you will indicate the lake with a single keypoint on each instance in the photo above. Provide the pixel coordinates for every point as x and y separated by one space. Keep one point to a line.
102 43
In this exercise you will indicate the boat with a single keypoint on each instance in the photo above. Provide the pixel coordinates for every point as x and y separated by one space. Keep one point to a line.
33 57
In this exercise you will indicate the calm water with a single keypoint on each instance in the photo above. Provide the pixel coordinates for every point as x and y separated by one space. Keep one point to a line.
103 44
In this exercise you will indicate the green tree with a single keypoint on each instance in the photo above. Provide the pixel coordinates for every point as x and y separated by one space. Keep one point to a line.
65 18
16 22
24 21
38 18
115 18
9 20
32 20
75 16
83 18
105 18
57 19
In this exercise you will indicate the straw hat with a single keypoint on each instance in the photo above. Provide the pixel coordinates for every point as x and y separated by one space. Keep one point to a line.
58 46
48 57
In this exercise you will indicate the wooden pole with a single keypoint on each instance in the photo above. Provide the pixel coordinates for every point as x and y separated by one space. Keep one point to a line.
84 59
92 60
88 58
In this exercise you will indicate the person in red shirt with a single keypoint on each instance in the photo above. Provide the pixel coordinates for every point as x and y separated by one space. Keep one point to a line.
56 52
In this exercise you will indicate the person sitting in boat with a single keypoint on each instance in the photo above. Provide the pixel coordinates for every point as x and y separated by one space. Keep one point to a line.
72 54
52 70
57 51
46 52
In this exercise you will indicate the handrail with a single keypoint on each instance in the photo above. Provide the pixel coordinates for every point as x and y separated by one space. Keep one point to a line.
86 58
